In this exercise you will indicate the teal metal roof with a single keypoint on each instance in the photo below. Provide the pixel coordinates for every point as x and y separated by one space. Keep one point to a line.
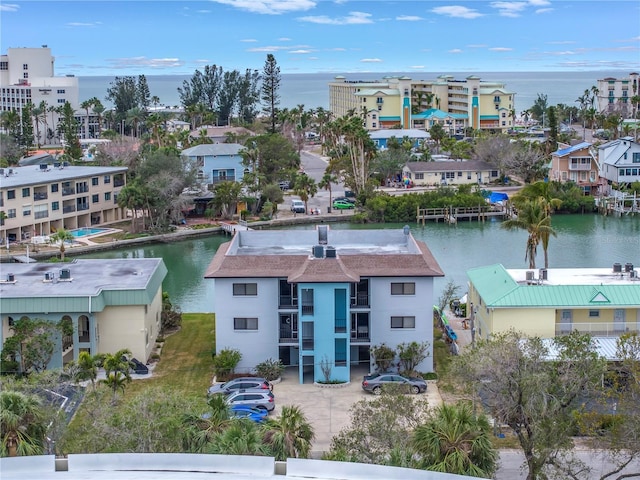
489 117
434 113
499 290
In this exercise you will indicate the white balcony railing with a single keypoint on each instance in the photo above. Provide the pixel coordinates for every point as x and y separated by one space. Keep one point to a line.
580 167
598 329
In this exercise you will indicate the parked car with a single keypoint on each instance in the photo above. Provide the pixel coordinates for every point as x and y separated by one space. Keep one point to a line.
375 382
262 399
254 414
241 383
342 205
297 206
285 185
345 199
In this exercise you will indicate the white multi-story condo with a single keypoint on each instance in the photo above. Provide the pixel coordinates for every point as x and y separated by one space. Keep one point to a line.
38 200
614 94
320 299
407 103
27 75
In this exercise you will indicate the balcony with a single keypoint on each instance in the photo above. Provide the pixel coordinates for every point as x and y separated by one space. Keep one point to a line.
41 214
83 206
360 335
581 167
288 336
288 301
598 329
83 337
361 300
40 195
228 178
307 343
69 209
68 191
117 182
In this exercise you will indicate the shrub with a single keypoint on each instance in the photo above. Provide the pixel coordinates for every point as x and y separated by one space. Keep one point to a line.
225 362
411 354
383 357
270 369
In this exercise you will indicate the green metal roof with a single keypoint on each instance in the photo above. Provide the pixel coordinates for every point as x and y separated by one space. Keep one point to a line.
499 290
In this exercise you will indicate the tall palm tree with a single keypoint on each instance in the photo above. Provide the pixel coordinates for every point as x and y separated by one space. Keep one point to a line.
135 116
533 216
88 367
86 105
22 427
305 187
290 435
328 179
456 441
61 235
99 109
117 367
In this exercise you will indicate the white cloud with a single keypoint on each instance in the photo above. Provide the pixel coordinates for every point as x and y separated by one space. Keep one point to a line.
354 18
371 60
417 67
477 45
539 3
268 48
544 10
284 39
408 18
203 11
270 7
338 49
9 7
565 52
454 50
562 42
145 62
249 40
457 11
509 9
300 51
501 49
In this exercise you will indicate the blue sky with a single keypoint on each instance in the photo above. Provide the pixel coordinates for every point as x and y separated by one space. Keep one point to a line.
307 36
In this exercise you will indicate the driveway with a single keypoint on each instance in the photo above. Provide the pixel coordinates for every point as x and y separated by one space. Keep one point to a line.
327 407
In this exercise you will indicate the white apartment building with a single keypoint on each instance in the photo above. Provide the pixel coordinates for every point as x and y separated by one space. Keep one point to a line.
39 199
614 94
322 298
27 75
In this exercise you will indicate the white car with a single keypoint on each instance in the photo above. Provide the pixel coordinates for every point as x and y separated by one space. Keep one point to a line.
297 206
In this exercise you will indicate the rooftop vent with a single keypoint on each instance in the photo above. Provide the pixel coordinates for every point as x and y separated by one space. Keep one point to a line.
330 252
633 274
628 267
543 274
48 276
65 274
617 268
323 233
11 277
57 164
530 275
44 167
318 251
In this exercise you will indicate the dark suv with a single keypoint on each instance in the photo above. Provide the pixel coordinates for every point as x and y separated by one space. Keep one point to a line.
240 383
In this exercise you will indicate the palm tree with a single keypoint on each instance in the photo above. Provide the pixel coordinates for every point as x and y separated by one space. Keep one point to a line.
22 427
305 187
290 434
86 105
88 367
135 116
242 437
326 183
456 441
533 216
200 430
117 367
62 235
99 109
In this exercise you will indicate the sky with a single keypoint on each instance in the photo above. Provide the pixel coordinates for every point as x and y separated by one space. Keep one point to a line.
118 37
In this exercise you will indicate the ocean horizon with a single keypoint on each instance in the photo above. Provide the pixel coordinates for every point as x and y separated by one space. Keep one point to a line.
312 89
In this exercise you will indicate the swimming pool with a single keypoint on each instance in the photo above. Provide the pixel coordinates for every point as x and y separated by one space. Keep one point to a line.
87 232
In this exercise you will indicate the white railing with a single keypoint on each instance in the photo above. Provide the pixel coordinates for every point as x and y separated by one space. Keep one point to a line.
598 329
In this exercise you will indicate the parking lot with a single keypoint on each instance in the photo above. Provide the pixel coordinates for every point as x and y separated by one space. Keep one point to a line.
327 407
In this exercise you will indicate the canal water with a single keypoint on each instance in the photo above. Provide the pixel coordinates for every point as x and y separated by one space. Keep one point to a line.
582 241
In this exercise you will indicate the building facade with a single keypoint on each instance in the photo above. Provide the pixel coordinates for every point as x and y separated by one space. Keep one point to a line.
619 161
38 200
319 299
399 101
575 163
217 162
450 172
604 302
27 75
614 94
112 304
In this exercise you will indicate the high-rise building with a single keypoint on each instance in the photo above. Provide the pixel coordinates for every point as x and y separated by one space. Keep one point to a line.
614 94
401 101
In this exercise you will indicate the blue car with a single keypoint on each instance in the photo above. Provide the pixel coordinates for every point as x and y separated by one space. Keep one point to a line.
256 415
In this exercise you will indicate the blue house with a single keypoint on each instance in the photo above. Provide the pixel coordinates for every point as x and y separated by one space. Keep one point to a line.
217 162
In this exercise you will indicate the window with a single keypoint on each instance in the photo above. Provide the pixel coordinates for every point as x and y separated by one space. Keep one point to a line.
245 324
95 198
25 75
94 181
374 125
41 211
468 175
26 210
107 179
55 205
11 213
54 187
245 289
636 158
459 174
25 66
11 194
61 91
594 313
307 301
419 176
403 322
61 100
107 196
26 192
341 352
407 288
494 173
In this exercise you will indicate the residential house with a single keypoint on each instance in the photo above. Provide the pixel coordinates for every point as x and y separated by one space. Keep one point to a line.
319 299
381 137
112 304
38 200
450 172
217 162
452 123
604 302
221 134
577 164
399 101
619 161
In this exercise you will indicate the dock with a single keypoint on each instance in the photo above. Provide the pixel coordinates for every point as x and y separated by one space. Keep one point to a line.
619 203
232 228
451 215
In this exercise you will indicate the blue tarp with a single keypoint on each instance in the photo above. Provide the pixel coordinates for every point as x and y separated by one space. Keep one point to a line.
496 197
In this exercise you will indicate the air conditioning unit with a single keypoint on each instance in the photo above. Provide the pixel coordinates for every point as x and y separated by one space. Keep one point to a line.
48 276
530 275
617 268
11 277
65 274
330 252
628 267
543 274
318 251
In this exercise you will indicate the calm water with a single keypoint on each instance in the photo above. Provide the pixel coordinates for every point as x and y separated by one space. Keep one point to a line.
583 241
312 90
